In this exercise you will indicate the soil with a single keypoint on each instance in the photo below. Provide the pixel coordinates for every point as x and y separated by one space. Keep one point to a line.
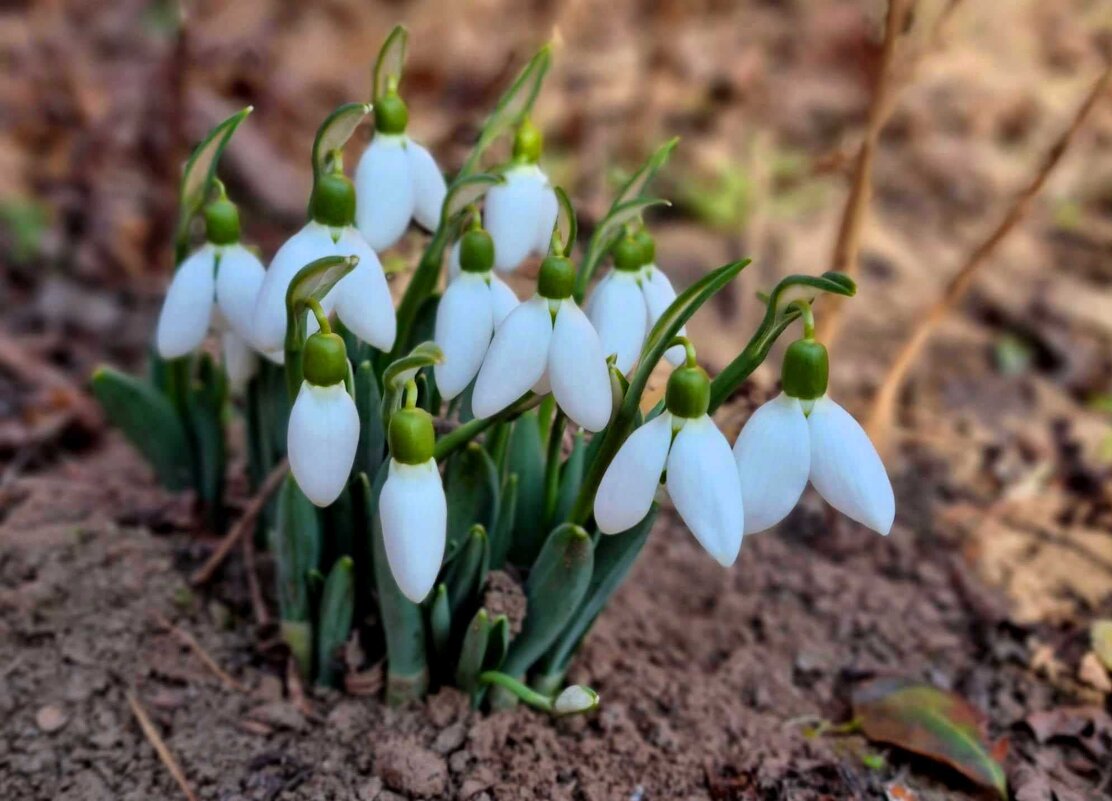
711 681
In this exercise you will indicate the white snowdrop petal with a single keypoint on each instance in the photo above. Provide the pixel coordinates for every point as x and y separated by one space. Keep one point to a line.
510 214
773 454
464 326
516 358
617 311
239 276
547 210
322 438
502 298
414 517
629 485
846 469
575 699
577 369
659 295
312 242
704 486
429 188
187 309
362 297
543 385
240 361
384 191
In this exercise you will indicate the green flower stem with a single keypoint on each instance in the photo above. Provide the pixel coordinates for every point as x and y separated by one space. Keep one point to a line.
808 316
690 359
454 440
552 467
318 312
727 382
523 693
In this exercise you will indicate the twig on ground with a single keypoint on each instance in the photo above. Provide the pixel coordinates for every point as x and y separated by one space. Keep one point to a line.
880 418
258 603
22 363
848 244
159 746
243 525
190 642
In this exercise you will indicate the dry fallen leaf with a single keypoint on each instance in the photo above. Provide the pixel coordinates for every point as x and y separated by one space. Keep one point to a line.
930 722
1101 635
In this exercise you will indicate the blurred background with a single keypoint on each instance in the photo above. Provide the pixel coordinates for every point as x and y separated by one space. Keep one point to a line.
1003 439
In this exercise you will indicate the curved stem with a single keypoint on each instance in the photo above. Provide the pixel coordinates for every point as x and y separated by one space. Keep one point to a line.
808 316
318 312
523 693
454 440
688 349
411 394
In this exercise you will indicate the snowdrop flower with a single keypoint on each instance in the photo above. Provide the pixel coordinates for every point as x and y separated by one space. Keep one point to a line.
574 700
324 424
396 180
412 508
473 306
547 344
685 445
361 299
521 213
801 434
215 287
629 300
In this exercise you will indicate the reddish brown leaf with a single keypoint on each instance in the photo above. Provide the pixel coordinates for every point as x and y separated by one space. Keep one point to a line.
930 722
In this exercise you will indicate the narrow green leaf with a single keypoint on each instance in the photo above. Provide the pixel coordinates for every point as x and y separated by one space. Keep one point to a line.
934 723
391 61
465 191
149 422
334 132
472 489
200 170
466 574
606 233
567 226
473 651
297 544
498 645
207 398
640 179
372 435
440 621
525 459
502 534
337 608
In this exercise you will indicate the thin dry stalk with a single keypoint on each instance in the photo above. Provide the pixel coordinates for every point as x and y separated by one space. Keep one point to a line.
258 603
159 746
848 244
189 641
880 418
243 525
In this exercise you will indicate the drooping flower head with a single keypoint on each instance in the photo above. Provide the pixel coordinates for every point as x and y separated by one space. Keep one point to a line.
684 446
397 180
323 430
413 510
521 213
547 344
630 299
214 288
801 434
473 306
361 299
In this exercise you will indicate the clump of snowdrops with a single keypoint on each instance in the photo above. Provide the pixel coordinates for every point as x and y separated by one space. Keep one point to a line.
468 430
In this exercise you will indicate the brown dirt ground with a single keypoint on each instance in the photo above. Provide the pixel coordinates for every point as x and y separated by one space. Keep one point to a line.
1002 554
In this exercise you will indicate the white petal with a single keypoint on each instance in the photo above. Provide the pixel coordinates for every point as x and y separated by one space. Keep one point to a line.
362 297
629 485
846 469
516 358
617 312
577 369
239 276
510 215
276 356
240 361
187 310
543 385
312 242
453 261
464 326
773 454
429 188
704 486
547 210
322 438
575 699
384 191
502 298
414 516
659 295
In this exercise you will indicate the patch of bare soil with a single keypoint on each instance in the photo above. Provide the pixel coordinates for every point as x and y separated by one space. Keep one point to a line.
709 677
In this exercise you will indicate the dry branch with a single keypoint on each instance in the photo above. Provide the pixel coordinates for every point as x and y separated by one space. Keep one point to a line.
243 525
190 642
880 418
159 746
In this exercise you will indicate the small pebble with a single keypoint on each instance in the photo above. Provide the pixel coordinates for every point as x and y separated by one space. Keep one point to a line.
50 718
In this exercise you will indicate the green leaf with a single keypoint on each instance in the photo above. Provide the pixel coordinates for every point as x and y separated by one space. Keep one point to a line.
297 547
440 621
934 723
571 476
525 459
640 179
498 645
554 589
207 398
337 607
466 574
465 191
502 534
334 132
372 434
390 61
473 651
567 226
200 169
149 422
472 489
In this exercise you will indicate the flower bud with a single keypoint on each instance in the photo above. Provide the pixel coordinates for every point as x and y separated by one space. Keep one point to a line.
412 437
557 278
574 700
628 254
333 200
324 360
221 222
391 114
688 393
806 370
648 246
476 251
